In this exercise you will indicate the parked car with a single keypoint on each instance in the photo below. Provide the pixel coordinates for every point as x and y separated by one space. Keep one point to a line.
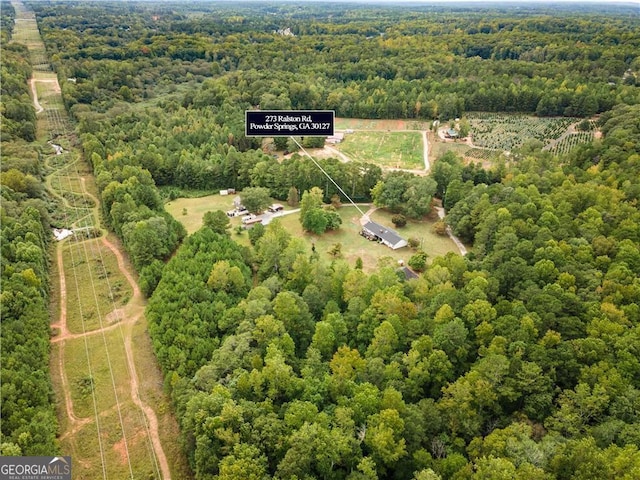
276 207
237 213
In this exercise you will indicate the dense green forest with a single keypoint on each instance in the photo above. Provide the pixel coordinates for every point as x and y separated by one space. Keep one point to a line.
17 113
520 360
438 58
28 425
159 90
360 61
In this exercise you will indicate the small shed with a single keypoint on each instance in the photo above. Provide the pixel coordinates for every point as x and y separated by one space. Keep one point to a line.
379 233
451 133
61 233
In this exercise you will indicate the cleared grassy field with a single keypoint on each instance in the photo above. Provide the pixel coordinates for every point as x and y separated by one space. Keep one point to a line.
494 133
78 371
93 424
100 285
189 211
353 244
115 424
387 149
377 124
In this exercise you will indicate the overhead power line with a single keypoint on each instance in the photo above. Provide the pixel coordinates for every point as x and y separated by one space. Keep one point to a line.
328 176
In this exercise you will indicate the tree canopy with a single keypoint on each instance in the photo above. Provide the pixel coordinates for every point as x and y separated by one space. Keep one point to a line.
29 424
514 362
519 360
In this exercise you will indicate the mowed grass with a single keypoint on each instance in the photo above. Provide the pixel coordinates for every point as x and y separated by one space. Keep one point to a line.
95 285
120 446
348 235
100 357
380 124
137 449
189 211
355 245
387 149
48 90
103 358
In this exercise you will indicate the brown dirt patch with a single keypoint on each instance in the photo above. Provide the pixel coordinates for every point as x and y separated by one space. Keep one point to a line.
115 316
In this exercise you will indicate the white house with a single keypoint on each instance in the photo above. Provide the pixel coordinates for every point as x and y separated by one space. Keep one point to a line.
380 233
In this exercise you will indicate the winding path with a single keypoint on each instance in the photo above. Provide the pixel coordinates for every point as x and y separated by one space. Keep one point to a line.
425 151
456 240
135 309
131 314
343 158
34 92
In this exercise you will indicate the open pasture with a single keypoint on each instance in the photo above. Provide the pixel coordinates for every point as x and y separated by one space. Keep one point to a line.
381 124
354 245
99 367
95 285
386 149
348 235
189 211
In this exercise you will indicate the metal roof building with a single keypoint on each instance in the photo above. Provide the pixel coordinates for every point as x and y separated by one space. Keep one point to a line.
385 235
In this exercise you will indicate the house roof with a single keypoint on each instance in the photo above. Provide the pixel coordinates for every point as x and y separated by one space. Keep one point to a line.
409 274
383 232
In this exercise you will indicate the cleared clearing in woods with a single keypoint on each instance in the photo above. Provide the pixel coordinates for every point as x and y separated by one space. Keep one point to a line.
114 418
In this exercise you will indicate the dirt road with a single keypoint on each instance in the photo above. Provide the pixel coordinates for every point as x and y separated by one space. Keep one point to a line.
456 240
130 314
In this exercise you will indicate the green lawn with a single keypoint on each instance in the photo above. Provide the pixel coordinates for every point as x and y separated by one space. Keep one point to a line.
189 211
381 124
387 149
112 419
353 244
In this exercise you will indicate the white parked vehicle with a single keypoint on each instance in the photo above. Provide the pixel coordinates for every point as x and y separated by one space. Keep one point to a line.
237 213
